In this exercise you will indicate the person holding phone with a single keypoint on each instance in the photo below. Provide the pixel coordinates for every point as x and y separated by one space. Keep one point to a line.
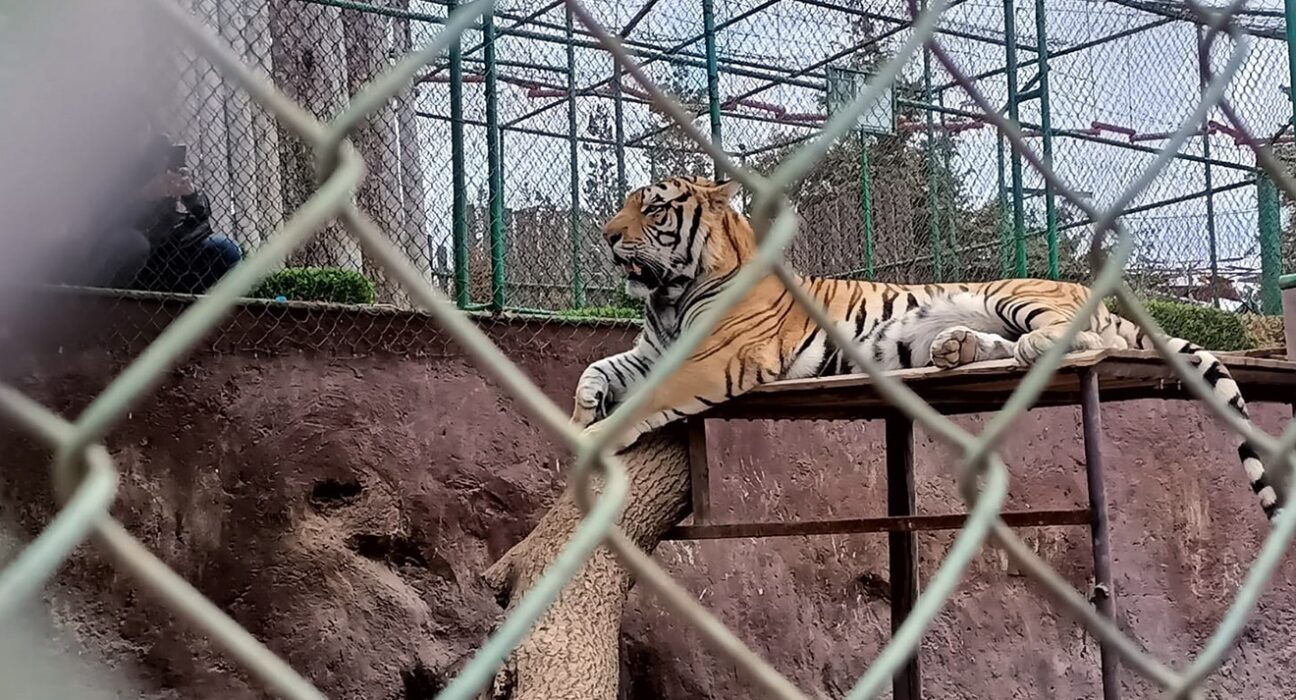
157 235
185 256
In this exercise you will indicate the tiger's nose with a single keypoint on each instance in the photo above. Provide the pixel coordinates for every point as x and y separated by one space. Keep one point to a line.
613 237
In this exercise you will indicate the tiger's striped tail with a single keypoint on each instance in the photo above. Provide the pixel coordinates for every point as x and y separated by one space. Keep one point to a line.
1225 389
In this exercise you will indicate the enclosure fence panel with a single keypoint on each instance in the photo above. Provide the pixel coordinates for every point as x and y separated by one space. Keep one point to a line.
522 217
543 134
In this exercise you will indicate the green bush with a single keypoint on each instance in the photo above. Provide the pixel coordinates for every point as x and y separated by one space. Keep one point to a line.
1206 326
602 312
622 306
1266 331
317 284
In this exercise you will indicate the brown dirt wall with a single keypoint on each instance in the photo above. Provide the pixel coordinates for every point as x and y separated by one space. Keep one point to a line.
337 481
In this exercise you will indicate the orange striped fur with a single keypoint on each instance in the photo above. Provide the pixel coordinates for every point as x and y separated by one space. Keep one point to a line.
680 243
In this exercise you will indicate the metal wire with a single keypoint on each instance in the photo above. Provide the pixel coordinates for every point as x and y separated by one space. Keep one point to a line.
85 478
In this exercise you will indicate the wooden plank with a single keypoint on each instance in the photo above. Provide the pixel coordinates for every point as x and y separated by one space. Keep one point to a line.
982 387
922 374
903 547
1277 353
855 526
699 470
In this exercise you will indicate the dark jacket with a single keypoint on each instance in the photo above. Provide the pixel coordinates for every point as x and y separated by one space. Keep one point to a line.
167 226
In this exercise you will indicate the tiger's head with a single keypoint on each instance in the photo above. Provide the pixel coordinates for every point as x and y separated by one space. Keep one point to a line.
675 232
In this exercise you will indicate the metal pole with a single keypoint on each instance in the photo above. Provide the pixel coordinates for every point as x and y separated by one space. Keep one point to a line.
1270 294
730 65
903 546
618 114
573 155
1211 236
933 186
1104 594
1078 135
951 225
494 167
1270 226
866 204
713 76
1019 214
1075 224
1203 78
1005 227
1046 121
1289 14
459 186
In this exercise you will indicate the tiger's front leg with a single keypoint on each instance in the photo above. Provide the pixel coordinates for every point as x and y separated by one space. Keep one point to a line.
705 380
603 385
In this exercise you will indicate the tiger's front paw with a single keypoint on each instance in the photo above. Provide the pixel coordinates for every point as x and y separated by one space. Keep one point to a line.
1032 346
584 416
954 347
590 402
623 439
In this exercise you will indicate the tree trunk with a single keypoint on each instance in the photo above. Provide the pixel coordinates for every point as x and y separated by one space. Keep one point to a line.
256 194
368 47
201 124
414 239
310 68
571 653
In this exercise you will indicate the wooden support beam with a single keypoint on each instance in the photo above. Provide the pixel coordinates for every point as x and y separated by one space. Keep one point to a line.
855 526
699 470
907 684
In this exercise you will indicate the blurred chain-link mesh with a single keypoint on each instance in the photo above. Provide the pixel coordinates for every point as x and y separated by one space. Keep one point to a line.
313 151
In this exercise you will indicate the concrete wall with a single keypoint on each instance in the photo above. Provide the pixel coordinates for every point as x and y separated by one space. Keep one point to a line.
337 481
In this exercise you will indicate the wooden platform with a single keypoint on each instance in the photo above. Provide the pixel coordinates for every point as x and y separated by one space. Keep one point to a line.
1084 380
1123 375
1115 375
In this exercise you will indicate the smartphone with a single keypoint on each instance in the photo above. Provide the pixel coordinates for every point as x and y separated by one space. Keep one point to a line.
179 153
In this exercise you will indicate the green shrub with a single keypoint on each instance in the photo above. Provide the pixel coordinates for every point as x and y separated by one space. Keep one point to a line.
1206 326
625 301
1266 331
602 312
317 284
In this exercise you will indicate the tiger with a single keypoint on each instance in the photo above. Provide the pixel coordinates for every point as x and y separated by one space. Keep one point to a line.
680 244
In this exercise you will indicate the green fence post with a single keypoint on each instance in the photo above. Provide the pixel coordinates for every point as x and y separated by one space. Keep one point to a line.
1005 225
494 166
1270 226
866 203
1289 13
933 187
574 228
1019 213
713 76
951 224
1046 127
458 187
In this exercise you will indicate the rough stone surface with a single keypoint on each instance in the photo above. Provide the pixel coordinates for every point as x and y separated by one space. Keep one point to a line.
342 501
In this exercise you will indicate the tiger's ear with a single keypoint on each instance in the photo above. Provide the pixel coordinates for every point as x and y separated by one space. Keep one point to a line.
723 191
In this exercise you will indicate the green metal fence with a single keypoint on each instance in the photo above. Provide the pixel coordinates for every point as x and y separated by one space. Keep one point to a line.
542 134
329 220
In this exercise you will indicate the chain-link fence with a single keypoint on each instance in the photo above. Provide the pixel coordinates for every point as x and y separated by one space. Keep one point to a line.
494 169
261 84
